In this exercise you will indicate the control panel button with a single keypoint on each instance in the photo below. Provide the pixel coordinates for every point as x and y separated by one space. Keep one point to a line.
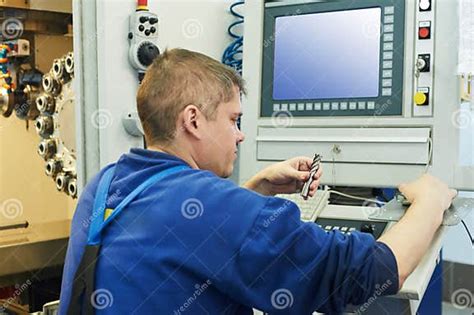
422 97
425 5
143 19
423 62
424 30
367 228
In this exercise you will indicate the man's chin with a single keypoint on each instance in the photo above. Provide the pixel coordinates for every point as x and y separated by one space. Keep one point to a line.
228 173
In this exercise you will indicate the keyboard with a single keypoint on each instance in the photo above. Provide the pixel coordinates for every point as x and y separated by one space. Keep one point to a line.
311 208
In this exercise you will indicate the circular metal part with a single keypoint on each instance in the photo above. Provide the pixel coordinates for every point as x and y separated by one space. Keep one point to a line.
58 70
56 125
3 101
47 149
53 167
31 93
420 64
69 63
62 182
44 126
51 85
72 187
7 103
45 104
25 103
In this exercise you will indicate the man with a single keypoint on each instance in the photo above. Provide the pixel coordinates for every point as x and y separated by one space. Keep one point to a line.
194 242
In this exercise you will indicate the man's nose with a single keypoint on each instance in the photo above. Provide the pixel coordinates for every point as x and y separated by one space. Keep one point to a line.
241 137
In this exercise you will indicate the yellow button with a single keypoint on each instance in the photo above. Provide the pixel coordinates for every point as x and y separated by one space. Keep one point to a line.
420 98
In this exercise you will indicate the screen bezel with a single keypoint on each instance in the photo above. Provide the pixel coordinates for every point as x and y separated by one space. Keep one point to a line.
384 105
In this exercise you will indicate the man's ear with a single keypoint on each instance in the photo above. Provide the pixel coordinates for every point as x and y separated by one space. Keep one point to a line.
191 121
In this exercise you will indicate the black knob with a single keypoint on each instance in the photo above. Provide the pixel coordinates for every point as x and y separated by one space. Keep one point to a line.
147 32
367 228
141 28
153 20
153 30
143 19
130 35
147 53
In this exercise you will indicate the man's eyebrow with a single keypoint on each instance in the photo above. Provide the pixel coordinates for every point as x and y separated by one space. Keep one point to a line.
237 114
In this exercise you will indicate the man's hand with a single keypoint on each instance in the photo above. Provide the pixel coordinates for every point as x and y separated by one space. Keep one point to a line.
430 193
411 237
285 177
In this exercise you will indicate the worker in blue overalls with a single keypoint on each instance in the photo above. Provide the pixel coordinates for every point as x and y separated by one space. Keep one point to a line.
161 231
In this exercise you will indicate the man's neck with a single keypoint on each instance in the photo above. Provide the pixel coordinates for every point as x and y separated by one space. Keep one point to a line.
173 150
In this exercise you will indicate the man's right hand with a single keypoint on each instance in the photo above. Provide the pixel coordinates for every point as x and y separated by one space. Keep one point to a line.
410 238
431 194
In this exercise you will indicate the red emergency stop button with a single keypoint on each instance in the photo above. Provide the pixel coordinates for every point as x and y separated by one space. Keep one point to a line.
424 33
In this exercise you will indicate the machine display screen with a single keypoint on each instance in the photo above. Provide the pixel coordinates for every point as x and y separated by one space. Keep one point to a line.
327 55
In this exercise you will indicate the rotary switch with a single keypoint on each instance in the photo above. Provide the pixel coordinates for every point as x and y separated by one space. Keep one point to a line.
147 53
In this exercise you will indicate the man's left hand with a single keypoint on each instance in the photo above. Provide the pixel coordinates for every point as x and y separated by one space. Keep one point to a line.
285 177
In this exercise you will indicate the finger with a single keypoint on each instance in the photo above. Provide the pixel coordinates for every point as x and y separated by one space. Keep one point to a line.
313 188
402 187
453 193
301 176
314 185
318 174
304 163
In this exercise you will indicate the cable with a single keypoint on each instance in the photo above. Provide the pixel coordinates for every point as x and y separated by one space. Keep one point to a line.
430 155
9 86
356 197
469 233
233 53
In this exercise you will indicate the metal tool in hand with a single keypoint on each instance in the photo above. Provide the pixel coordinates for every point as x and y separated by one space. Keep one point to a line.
312 172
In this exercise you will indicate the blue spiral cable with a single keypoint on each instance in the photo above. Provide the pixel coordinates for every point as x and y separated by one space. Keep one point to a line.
4 67
233 53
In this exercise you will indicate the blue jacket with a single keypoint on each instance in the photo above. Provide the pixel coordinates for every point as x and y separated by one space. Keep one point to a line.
195 243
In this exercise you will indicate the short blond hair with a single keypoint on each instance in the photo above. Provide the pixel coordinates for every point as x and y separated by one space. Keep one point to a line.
176 79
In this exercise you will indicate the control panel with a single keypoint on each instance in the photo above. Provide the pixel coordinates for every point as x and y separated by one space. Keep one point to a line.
424 54
348 226
143 36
